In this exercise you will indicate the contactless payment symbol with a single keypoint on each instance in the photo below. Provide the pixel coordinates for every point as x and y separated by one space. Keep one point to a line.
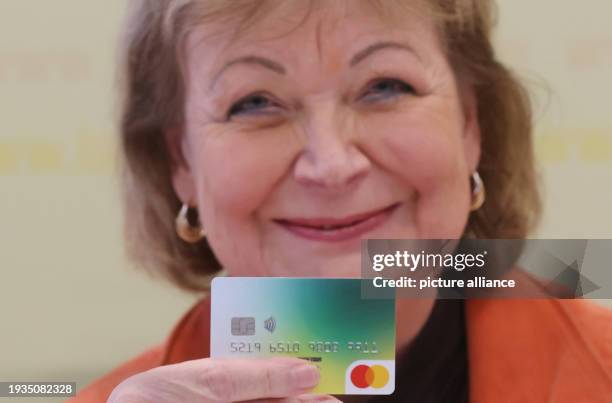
270 324
375 377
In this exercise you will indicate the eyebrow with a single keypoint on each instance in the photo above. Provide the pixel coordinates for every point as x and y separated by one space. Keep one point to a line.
279 69
253 60
377 46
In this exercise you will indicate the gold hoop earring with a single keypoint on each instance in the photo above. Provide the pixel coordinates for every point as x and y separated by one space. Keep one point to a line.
478 191
188 230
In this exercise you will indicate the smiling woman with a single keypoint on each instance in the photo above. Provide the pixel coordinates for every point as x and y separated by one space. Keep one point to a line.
268 138
313 100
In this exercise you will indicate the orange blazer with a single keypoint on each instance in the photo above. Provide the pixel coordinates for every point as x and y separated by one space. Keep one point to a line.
528 350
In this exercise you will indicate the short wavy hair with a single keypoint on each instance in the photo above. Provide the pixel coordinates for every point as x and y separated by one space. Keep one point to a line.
152 88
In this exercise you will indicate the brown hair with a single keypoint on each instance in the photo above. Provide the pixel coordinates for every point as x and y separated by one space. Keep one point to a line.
152 86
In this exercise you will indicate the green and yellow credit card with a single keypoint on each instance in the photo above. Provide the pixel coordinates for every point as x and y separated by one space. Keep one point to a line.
324 320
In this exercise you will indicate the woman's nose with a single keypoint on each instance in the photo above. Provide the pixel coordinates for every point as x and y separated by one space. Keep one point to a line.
330 159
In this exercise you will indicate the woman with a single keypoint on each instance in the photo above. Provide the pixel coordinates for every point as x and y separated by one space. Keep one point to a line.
280 133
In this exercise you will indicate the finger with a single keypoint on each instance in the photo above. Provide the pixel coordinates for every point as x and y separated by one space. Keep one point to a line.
317 398
308 398
248 379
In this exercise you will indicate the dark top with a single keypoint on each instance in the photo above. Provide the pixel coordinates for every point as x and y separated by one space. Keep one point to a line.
434 367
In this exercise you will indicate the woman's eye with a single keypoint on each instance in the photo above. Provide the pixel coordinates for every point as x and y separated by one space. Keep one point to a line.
387 88
250 104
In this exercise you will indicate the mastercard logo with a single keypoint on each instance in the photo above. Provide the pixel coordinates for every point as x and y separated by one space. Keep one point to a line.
370 377
365 376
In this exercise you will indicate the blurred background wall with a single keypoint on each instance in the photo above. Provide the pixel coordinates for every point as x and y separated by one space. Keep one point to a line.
72 308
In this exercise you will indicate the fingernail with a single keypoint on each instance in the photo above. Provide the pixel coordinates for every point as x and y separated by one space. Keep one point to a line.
305 376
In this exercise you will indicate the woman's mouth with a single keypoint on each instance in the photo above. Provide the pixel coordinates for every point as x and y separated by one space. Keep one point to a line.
337 229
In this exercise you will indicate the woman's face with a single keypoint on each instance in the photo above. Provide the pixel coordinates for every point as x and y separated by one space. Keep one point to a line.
302 139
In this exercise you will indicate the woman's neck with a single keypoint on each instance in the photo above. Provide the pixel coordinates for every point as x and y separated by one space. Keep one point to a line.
411 315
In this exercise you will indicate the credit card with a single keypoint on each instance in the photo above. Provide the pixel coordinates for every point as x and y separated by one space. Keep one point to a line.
326 321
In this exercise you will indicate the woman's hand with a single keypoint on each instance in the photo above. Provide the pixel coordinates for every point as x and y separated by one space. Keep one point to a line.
279 379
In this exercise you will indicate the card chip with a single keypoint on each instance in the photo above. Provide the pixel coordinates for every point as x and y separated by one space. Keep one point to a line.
243 326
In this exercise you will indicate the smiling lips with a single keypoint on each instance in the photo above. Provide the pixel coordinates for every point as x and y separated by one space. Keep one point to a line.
336 230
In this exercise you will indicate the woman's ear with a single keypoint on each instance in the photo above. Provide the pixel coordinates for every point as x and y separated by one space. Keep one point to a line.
471 128
182 177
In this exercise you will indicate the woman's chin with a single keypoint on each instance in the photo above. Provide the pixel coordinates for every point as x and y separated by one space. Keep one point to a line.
344 268
326 274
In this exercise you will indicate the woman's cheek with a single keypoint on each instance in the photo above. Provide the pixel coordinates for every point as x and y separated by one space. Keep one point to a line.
239 170
426 156
235 174
423 153
442 187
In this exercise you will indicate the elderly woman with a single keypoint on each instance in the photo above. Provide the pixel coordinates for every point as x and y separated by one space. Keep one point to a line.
267 138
